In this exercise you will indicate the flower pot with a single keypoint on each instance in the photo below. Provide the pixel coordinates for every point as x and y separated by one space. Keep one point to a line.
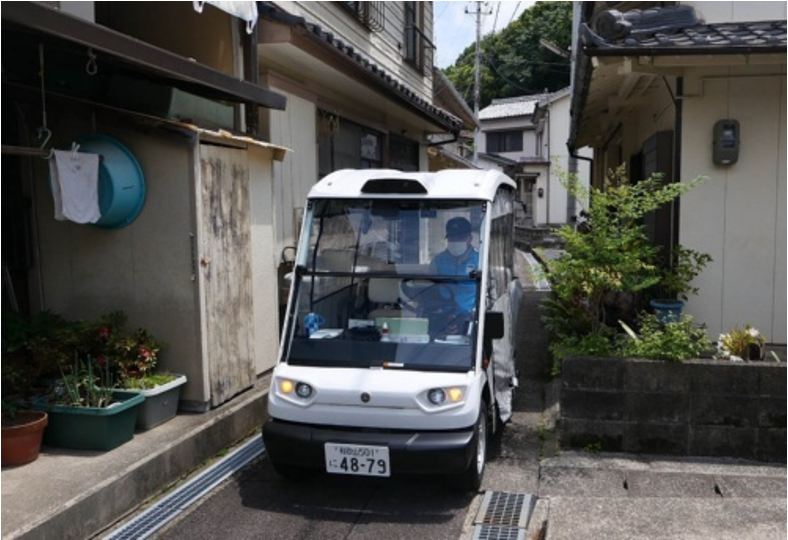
667 310
160 405
94 428
22 439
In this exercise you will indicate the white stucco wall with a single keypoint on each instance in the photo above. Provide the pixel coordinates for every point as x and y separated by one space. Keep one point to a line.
264 266
738 215
715 12
557 211
296 129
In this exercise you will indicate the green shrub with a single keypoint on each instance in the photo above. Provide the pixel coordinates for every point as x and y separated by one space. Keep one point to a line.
593 344
609 267
673 341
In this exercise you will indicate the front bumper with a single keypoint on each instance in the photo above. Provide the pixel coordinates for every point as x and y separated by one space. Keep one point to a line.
432 452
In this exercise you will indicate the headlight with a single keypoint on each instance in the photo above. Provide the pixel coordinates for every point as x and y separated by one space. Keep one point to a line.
303 390
436 396
442 396
286 386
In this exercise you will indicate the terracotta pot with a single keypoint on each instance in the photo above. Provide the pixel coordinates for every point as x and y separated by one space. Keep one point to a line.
22 441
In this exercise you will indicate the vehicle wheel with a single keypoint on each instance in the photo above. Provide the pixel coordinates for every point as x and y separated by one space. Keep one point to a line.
471 479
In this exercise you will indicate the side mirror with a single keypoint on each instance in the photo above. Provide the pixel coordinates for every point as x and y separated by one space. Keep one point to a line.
493 325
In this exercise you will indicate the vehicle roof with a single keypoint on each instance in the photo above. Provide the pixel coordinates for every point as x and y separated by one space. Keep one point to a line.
446 184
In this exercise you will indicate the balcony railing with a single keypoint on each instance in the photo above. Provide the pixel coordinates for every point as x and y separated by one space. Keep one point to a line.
418 49
370 14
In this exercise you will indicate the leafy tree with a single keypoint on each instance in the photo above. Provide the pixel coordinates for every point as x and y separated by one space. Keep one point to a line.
514 63
608 256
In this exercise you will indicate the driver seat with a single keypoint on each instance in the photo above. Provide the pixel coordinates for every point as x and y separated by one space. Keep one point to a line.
385 293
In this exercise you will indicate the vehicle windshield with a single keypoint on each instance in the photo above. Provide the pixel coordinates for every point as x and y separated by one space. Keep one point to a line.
387 283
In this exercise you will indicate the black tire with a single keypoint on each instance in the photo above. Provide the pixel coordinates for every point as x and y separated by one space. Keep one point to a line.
471 478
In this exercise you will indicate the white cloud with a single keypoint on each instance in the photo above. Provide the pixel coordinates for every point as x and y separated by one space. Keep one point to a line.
455 29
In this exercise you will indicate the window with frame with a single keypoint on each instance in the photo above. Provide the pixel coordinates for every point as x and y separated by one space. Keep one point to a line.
504 141
370 14
343 144
418 48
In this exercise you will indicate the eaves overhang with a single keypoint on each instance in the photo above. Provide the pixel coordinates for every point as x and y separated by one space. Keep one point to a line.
181 72
352 63
661 42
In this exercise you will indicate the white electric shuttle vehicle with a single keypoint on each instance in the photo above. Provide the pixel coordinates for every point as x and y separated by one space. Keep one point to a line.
397 351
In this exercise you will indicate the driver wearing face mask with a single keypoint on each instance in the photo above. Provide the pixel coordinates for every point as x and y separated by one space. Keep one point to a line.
458 259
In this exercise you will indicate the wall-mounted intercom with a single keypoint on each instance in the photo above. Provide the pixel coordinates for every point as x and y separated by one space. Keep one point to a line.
726 142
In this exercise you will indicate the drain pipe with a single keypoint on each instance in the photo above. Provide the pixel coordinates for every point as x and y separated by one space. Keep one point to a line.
573 159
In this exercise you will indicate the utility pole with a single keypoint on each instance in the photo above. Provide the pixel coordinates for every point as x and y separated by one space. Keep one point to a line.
481 9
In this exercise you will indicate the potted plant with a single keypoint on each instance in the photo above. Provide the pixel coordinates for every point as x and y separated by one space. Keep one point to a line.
741 344
85 411
134 358
22 428
675 284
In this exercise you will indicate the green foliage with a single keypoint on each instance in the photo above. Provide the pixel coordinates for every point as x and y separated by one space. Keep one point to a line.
673 341
48 345
514 63
609 257
86 383
676 280
593 448
611 252
593 344
147 382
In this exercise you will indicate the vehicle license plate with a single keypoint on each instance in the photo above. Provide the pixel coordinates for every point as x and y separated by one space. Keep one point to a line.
357 459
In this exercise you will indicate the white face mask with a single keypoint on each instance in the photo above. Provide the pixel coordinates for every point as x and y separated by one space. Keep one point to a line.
457 248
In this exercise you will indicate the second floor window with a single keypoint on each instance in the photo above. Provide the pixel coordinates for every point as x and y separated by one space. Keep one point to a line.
504 141
418 48
370 14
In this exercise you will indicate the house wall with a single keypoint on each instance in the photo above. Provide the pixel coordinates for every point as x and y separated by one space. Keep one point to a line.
558 207
145 268
738 214
295 129
715 12
153 24
264 266
516 123
386 47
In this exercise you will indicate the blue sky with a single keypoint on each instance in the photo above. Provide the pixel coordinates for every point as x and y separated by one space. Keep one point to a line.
455 29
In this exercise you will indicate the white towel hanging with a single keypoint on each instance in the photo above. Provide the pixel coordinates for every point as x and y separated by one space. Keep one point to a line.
75 178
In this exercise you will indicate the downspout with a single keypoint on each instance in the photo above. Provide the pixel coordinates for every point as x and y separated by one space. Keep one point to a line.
455 138
251 74
679 104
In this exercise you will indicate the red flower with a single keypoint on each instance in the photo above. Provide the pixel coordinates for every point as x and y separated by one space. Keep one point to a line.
104 333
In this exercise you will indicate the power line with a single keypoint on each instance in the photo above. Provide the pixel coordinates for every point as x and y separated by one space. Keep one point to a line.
514 12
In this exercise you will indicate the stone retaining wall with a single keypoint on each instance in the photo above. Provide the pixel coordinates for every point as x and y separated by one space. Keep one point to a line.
696 408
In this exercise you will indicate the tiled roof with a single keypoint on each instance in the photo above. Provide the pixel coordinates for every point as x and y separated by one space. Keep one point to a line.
510 107
676 30
374 71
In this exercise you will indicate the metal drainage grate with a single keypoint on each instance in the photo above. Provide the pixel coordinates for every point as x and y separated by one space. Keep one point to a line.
492 532
165 510
503 516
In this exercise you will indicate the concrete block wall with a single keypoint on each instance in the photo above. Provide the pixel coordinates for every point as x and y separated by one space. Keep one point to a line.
695 408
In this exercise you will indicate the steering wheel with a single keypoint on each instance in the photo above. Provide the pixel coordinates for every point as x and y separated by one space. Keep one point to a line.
427 294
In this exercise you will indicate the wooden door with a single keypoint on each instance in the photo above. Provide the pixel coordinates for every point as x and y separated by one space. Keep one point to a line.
226 268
